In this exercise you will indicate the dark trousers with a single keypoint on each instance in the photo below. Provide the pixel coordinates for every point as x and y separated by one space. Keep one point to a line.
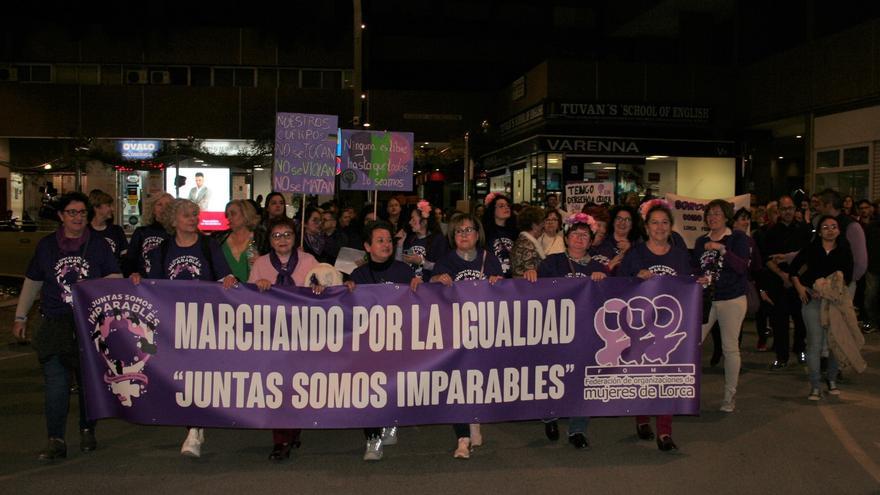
57 375
787 305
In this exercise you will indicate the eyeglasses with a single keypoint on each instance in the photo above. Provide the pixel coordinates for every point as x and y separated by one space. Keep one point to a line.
465 231
829 227
76 213
282 235
579 235
623 219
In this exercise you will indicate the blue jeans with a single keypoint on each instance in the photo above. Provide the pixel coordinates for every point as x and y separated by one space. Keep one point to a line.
817 339
57 376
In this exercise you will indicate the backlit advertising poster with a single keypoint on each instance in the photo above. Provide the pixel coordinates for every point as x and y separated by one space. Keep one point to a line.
207 187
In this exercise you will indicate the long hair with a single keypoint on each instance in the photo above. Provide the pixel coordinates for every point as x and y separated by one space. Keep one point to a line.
489 215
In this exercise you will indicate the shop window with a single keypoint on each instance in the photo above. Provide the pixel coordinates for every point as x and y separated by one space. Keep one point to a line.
311 79
200 76
828 159
245 78
854 157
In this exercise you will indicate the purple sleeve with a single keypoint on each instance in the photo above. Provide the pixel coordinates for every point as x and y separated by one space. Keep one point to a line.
736 253
107 262
221 267
627 266
35 270
855 235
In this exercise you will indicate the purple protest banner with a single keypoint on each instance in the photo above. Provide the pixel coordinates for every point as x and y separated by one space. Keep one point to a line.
376 160
192 353
305 153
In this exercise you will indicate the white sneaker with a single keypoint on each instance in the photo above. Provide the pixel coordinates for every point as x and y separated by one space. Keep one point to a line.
192 446
463 451
832 388
476 437
373 451
728 404
814 394
389 435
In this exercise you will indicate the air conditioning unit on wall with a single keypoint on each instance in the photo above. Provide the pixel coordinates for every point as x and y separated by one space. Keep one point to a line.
136 76
8 74
160 77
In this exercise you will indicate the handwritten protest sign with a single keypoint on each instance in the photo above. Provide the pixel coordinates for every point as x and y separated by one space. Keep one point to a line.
305 153
377 160
687 214
578 194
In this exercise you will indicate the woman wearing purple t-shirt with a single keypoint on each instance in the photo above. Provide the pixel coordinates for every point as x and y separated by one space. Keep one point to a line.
468 261
187 255
657 256
62 259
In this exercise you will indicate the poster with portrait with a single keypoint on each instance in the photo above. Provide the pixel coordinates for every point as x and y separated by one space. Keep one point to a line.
205 186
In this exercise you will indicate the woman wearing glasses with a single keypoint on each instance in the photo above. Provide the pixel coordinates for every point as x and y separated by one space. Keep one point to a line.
626 232
829 252
574 262
63 258
467 261
723 256
283 266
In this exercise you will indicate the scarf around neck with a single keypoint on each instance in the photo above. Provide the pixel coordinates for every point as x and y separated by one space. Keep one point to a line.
285 270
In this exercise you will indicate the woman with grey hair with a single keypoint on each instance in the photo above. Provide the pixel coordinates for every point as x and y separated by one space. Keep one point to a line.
187 254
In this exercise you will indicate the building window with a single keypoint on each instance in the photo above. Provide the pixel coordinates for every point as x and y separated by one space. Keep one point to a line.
87 74
854 157
267 78
289 78
224 77
347 79
65 74
846 170
311 79
200 76
331 79
245 78
828 159
178 76
111 74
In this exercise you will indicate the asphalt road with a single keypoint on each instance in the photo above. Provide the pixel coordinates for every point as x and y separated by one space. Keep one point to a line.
775 442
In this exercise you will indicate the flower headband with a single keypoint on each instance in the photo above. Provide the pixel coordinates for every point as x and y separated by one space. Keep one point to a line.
583 218
489 198
647 205
424 208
